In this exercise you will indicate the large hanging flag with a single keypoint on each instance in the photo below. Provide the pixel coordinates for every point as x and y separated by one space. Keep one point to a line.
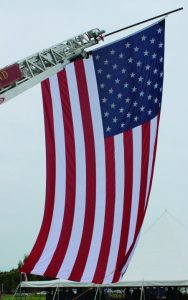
101 122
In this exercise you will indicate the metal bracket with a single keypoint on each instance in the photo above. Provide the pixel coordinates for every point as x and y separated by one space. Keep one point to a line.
45 63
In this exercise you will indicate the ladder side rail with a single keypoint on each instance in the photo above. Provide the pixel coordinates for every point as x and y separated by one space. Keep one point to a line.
47 62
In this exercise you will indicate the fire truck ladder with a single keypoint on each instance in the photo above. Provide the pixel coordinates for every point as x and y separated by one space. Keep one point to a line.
48 62
41 65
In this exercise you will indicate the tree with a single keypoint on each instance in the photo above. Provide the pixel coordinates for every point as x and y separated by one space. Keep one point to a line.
10 280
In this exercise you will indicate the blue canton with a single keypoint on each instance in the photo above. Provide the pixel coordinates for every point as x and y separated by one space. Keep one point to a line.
129 76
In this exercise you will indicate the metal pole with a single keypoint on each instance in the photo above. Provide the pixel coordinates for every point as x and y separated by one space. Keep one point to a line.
133 25
96 293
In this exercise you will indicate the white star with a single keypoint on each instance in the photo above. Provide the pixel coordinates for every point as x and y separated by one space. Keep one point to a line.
148 67
121 55
143 38
108 76
136 49
135 104
127 45
155 85
149 82
160 45
104 100
134 89
152 41
114 66
121 110
149 112
119 96
161 59
108 129
102 85
159 30
136 119
113 105
139 63
154 55
128 115
115 120
106 114
106 62
111 91
97 57
112 51
161 74
126 85
122 125
127 100
132 75
99 71
123 71
142 108
156 100
141 94
140 79
146 52
117 80
149 97
155 71
130 60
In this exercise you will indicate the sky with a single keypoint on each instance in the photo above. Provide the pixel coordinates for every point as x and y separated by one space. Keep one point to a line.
30 26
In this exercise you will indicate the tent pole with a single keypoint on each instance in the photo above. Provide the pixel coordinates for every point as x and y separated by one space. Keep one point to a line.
58 291
100 293
55 293
96 293
150 19
15 291
141 293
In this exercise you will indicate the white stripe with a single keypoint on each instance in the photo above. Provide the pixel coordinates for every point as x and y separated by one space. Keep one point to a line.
100 172
137 161
153 132
80 197
59 202
119 202
130 256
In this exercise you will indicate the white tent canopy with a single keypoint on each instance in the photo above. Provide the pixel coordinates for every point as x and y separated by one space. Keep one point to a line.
160 259
161 254
59 283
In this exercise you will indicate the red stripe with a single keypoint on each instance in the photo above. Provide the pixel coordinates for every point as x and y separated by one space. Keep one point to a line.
66 229
50 180
153 163
143 185
144 175
128 158
83 251
109 211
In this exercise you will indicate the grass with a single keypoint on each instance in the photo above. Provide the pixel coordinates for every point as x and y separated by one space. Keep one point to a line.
28 297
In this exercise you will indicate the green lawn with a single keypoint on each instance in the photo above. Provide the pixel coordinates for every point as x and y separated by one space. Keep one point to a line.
28 297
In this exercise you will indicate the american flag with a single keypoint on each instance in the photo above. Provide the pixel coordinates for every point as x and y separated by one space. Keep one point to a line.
101 123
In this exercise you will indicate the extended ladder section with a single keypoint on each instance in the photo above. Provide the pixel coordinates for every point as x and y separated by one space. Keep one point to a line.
34 69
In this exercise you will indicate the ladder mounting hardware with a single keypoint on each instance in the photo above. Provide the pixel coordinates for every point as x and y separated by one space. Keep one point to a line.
48 62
